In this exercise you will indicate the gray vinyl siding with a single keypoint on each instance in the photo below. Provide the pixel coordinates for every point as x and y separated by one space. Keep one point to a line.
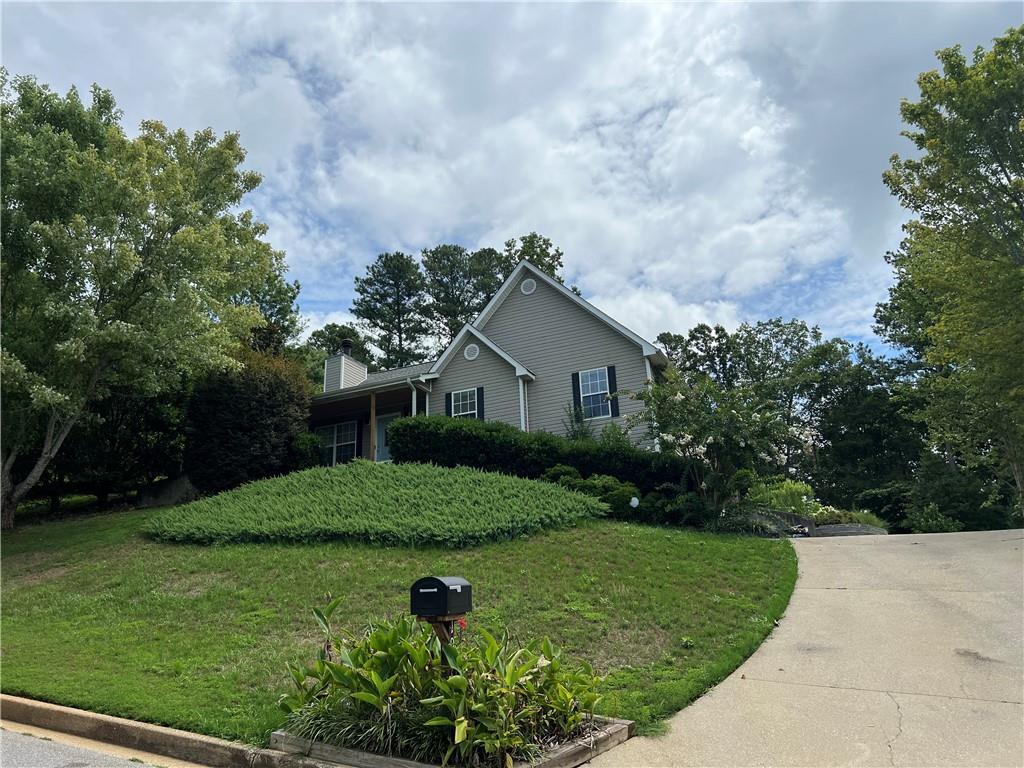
355 372
332 377
497 377
554 337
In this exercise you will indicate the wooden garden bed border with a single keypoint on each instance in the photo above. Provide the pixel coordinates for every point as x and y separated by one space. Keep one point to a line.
609 733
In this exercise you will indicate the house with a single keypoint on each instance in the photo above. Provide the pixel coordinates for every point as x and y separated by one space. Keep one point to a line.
535 352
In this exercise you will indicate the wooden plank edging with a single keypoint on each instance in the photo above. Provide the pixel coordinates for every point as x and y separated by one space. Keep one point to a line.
611 733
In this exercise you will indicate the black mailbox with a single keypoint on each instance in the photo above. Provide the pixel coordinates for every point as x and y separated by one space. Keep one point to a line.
440 596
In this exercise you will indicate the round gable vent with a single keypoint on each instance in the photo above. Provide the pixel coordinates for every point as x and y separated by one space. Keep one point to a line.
528 286
471 352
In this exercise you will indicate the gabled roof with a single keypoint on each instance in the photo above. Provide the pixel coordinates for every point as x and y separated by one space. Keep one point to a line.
469 330
379 380
649 350
396 374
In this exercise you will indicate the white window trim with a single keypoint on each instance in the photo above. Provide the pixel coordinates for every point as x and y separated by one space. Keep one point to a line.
466 414
607 393
354 442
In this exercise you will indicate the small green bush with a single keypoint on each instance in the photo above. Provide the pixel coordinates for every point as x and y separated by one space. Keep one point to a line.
498 447
930 519
785 495
613 492
743 481
561 472
614 435
826 515
750 518
480 701
391 504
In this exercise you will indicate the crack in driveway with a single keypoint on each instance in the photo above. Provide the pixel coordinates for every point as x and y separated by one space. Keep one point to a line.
899 729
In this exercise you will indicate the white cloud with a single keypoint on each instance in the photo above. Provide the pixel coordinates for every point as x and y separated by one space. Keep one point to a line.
710 162
314 321
650 311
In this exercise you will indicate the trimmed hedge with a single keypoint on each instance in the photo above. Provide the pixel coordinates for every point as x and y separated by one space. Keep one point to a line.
498 447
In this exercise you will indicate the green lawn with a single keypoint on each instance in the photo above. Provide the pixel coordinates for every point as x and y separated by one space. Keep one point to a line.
97 616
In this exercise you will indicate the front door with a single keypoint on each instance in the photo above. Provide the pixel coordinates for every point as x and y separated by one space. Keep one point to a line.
383 447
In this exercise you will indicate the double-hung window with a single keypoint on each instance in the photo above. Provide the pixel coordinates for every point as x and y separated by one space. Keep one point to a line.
464 404
594 392
337 443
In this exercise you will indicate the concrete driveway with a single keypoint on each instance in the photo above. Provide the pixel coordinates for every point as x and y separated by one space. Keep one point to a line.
894 651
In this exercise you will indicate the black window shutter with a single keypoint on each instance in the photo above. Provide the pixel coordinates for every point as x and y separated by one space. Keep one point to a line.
447 403
480 403
359 439
613 388
577 403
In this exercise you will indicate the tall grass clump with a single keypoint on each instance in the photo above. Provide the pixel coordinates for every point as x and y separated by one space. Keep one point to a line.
386 504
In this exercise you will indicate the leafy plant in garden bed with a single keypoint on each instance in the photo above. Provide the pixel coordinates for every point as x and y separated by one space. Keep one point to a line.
388 504
396 690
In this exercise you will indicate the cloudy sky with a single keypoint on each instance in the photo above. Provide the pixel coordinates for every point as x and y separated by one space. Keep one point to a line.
695 162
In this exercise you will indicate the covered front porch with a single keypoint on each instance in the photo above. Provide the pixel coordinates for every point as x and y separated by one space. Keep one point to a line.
354 424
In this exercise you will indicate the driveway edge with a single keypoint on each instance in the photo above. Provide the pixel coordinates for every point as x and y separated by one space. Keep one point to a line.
158 739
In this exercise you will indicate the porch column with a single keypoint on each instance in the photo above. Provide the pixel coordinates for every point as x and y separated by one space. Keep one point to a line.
522 404
373 426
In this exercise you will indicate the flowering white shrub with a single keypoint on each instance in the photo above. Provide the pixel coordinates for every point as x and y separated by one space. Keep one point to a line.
719 430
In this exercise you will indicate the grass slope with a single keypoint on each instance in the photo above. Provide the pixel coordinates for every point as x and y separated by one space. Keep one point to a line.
399 504
97 616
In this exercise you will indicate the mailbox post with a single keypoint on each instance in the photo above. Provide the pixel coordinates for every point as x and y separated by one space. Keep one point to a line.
441 601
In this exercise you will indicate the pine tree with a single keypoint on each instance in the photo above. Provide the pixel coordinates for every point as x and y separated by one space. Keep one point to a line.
391 302
453 290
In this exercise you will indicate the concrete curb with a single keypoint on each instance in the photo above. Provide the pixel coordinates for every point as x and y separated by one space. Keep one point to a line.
170 742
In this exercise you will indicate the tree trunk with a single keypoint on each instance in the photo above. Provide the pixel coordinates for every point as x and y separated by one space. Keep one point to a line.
9 506
56 433
1015 458
7 502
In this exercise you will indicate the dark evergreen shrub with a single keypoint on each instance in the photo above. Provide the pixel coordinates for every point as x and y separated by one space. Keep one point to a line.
499 447
247 424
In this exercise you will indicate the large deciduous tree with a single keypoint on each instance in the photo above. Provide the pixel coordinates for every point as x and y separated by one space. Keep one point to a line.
957 306
867 440
276 300
536 249
122 258
783 364
968 127
391 302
